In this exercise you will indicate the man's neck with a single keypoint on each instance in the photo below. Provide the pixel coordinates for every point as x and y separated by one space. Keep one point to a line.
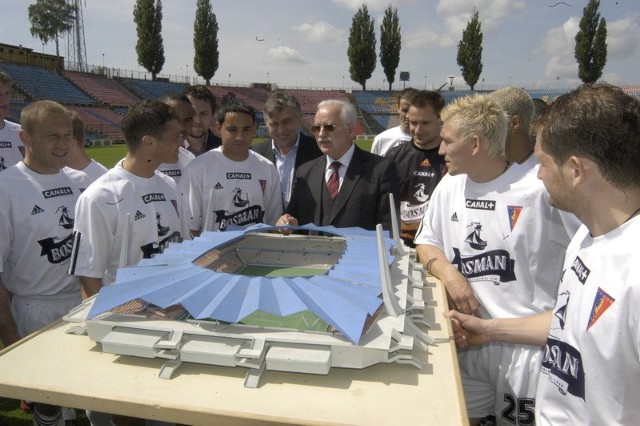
197 144
139 167
489 169
602 218
519 149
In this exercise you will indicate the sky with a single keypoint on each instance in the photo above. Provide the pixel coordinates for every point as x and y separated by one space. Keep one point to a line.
303 43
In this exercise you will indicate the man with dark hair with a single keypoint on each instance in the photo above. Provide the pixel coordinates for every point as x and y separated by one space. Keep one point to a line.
288 147
420 166
588 144
232 185
346 186
399 134
11 148
184 110
37 201
133 199
201 139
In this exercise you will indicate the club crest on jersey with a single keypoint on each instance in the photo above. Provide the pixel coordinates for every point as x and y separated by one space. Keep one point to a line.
480 204
57 192
263 184
239 175
561 312
240 198
580 269
495 265
514 214
473 239
562 364
65 221
419 193
150 198
2 166
601 303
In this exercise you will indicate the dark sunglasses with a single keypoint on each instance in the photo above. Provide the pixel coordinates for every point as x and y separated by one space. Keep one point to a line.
316 128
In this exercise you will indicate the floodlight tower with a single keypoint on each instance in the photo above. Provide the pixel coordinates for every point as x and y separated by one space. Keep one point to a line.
76 47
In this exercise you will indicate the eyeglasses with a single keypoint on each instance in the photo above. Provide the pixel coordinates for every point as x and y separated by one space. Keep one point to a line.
317 128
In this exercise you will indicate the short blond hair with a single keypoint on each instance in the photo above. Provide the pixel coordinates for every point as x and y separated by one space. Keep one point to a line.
32 114
480 116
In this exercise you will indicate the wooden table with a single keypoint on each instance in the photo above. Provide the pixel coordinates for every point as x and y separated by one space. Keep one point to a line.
57 368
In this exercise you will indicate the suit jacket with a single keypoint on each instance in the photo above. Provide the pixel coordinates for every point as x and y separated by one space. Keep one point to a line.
363 199
307 150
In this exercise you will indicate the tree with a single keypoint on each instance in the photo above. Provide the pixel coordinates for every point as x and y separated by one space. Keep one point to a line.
205 41
147 14
470 51
390 44
51 18
362 47
591 43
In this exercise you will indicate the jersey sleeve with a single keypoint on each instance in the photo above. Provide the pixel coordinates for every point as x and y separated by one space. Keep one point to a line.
6 231
431 230
192 199
93 236
273 197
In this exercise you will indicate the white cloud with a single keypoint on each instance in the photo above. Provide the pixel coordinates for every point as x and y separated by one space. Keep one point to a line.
285 55
319 32
372 5
423 38
559 45
623 37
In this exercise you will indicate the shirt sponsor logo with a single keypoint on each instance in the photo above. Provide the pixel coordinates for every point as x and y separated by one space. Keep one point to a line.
494 265
150 198
480 204
251 214
56 251
172 173
57 192
580 269
5 144
238 175
562 363
425 173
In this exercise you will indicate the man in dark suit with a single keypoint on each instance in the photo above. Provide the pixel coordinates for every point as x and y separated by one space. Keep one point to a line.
288 147
201 139
354 192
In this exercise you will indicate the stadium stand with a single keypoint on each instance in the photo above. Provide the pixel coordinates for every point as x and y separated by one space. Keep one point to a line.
146 89
101 121
38 83
102 89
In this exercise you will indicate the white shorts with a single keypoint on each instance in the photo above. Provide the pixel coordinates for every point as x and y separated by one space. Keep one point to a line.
34 312
501 379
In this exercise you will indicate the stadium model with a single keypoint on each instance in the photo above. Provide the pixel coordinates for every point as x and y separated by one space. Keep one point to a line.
316 298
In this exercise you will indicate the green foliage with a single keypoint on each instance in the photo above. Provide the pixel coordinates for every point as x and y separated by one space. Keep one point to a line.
49 19
362 47
147 14
591 43
205 41
390 44
470 51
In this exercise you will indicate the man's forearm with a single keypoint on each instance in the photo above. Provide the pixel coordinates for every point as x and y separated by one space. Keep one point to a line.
8 329
527 331
89 286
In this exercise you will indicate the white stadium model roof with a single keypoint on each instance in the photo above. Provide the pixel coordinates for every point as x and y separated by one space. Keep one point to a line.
316 298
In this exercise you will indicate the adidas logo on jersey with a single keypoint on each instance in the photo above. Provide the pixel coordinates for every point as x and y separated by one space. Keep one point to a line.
454 217
36 209
218 186
139 215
